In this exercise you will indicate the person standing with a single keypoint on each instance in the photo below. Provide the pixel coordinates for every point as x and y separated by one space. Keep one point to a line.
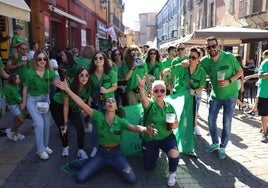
181 52
262 94
36 89
223 70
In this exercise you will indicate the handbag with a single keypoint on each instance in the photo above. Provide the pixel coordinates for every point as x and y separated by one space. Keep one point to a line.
42 107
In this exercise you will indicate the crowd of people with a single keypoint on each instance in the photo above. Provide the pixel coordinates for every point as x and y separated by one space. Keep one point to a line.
69 88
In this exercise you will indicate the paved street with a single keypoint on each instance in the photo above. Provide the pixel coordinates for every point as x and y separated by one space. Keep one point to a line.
245 166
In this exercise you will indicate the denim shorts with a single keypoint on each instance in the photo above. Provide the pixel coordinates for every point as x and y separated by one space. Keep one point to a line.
14 109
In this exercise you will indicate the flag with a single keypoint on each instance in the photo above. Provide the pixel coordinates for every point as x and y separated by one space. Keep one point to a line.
111 32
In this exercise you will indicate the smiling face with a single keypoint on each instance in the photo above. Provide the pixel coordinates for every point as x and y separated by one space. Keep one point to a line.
83 77
159 90
212 48
41 60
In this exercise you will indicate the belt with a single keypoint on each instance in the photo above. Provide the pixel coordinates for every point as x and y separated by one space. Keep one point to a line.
109 148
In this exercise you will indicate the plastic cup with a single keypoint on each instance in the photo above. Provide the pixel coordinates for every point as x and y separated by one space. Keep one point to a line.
170 119
220 77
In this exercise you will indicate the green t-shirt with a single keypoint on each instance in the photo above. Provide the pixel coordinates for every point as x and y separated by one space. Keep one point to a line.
154 70
184 81
166 63
109 134
106 81
228 64
21 71
16 39
39 86
178 60
157 115
71 70
140 70
83 62
12 94
263 83
84 95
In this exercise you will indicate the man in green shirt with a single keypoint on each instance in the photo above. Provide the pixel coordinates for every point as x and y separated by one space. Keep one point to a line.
224 92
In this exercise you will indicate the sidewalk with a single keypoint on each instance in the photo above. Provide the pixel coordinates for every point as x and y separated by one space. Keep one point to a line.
246 164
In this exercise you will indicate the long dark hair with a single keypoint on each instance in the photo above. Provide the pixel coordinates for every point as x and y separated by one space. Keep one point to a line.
107 66
12 78
70 58
75 81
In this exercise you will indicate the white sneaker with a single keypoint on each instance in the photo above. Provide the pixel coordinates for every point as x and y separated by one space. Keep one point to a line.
48 150
197 130
89 128
10 134
43 155
81 154
18 137
171 179
65 151
93 152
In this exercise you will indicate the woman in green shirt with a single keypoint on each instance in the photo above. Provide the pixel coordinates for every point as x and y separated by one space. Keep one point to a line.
36 89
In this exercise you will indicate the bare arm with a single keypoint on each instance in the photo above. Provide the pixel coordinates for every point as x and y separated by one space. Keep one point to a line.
143 94
141 129
63 86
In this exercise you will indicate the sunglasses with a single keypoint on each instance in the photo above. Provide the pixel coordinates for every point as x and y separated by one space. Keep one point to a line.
193 57
81 75
152 53
212 46
159 90
40 59
110 101
100 58
181 49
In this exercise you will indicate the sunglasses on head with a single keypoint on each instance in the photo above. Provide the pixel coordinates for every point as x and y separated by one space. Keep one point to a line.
159 90
193 57
81 75
212 46
181 49
40 59
100 58
110 100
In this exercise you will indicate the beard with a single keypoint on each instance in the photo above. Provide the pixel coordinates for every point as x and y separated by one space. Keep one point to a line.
214 53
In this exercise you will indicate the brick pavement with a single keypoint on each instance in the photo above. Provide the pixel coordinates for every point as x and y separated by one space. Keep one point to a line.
245 166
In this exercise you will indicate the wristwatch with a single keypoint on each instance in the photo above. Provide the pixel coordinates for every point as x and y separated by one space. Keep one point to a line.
230 81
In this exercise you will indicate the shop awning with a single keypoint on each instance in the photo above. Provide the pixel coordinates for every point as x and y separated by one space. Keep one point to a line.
67 15
15 9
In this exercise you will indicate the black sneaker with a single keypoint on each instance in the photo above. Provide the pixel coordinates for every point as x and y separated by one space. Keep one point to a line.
264 137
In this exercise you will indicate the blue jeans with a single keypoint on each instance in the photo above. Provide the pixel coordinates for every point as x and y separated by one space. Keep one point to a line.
41 122
150 151
228 110
198 97
103 158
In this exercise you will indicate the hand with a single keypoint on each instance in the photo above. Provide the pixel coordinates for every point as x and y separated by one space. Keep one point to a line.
102 90
61 85
223 83
63 130
166 71
22 106
150 130
141 82
185 63
192 92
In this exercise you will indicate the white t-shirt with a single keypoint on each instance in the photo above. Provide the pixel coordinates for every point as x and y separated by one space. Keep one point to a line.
54 65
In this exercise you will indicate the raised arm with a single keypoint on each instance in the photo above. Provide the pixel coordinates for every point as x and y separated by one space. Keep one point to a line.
143 94
63 86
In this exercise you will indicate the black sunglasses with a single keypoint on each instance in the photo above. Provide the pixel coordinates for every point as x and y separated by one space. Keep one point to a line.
152 53
40 59
83 75
193 57
181 49
159 90
100 58
212 46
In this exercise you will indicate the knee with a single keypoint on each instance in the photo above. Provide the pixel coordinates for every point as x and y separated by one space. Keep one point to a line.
173 153
129 174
